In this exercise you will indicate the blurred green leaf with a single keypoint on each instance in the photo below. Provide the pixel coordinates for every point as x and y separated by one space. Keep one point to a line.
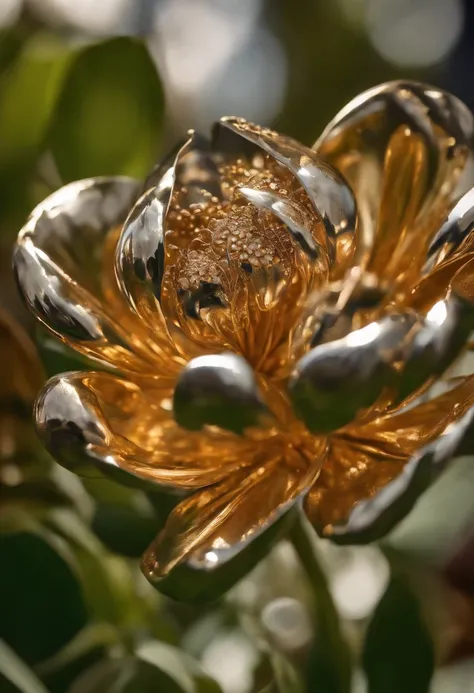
28 94
15 675
287 677
109 115
429 535
101 586
108 581
56 357
196 586
156 667
42 606
398 651
28 91
91 637
124 519
178 667
127 531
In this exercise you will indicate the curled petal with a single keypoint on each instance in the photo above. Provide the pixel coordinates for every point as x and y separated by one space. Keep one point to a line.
398 435
140 256
435 345
73 224
97 420
374 517
69 311
143 254
330 195
71 230
195 169
212 526
219 390
455 235
286 212
336 381
402 146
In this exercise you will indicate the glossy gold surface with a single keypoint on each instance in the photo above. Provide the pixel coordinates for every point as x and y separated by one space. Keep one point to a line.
284 304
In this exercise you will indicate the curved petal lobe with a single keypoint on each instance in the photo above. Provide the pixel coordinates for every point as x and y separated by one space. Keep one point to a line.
66 233
219 390
374 517
212 526
331 197
402 146
99 421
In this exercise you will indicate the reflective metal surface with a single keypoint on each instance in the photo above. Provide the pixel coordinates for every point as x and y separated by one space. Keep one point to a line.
332 199
270 312
218 390
337 381
375 517
402 147
455 234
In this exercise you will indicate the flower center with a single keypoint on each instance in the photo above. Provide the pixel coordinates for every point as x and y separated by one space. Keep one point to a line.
229 260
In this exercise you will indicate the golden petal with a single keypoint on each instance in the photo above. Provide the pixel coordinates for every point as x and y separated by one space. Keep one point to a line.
455 237
351 472
399 434
73 224
95 419
250 309
402 146
436 284
216 523
363 459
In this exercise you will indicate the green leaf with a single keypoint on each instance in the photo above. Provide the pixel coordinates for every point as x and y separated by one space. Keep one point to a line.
17 673
93 636
124 519
42 605
398 651
109 115
102 577
127 531
429 535
287 677
156 667
57 357
329 664
178 666
28 93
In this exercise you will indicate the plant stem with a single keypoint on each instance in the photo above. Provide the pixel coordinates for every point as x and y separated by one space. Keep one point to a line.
330 667
304 548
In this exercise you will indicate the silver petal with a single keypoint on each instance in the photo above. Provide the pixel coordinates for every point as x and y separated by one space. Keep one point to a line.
332 198
218 390
434 346
335 381
455 230
59 300
287 212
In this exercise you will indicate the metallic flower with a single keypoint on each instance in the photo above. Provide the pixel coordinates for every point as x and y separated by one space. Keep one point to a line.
273 319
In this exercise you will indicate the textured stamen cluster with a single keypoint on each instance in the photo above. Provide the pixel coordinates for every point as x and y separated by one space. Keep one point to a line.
213 241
